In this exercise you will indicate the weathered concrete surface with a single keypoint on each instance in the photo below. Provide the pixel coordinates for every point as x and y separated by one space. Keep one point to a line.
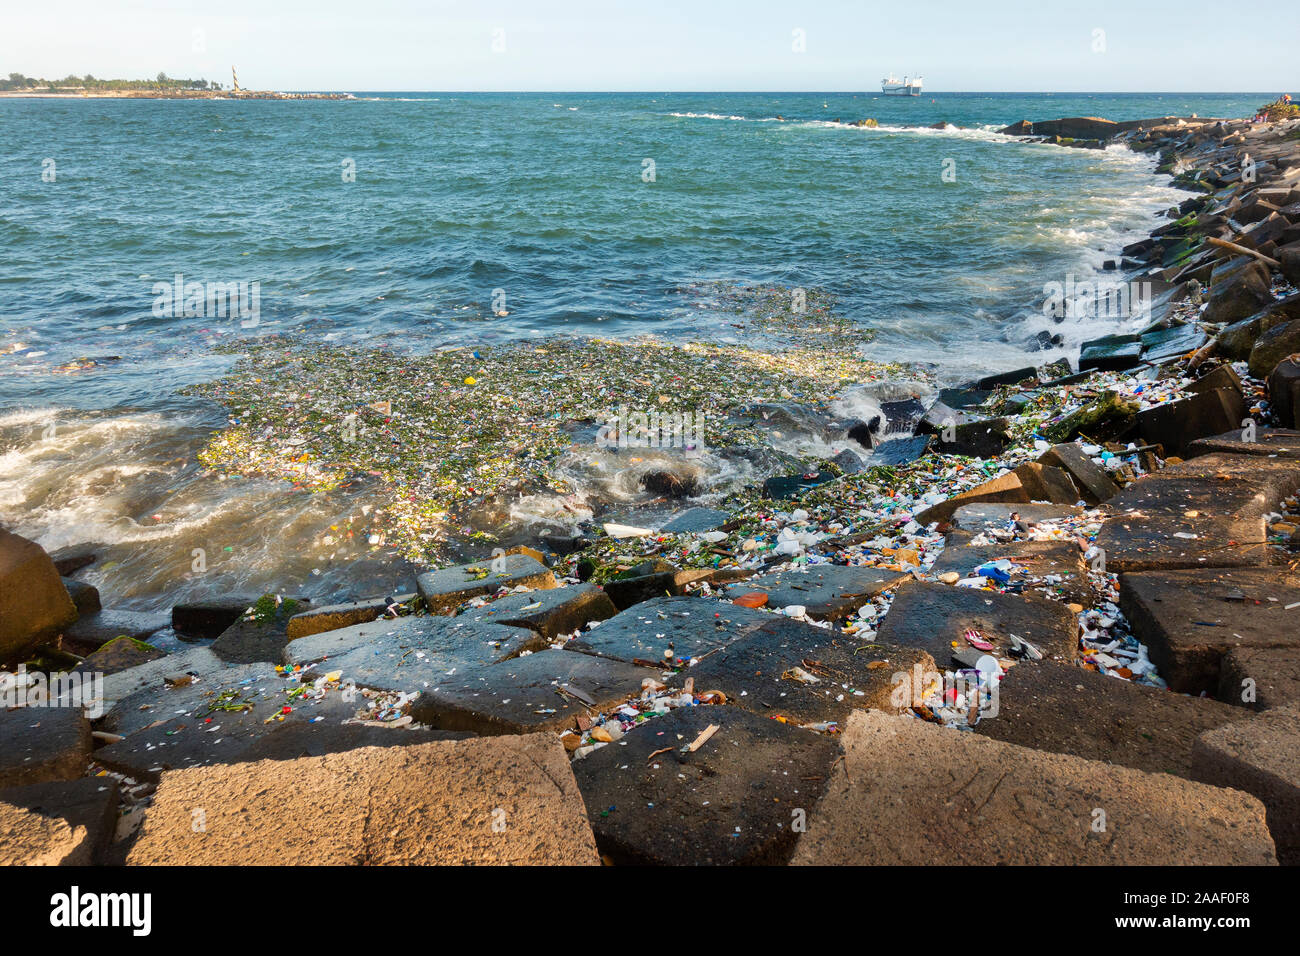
197 725
1040 559
994 516
914 793
1219 500
195 660
696 521
1282 442
28 838
688 627
96 630
413 653
1069 710
1262 757
752 673
935 616
250 640
550 613
542 691
1190 619
331 617
1089 477
504 800
1260 678
34 604
444 591
208 617
735 800
42 743
830 592
88 804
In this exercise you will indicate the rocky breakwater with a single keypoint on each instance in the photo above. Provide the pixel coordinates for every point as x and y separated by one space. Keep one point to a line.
1071 589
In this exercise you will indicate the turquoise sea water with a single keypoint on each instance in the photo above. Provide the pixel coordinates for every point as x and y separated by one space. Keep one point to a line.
541 196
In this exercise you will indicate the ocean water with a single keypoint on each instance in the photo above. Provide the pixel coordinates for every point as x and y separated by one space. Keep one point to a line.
461 205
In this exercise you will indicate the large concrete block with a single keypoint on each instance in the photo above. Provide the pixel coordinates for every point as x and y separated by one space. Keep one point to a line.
934 617
1189 619
43 743
1067 709
547 690
829 592
504 800
914 793
444 591
737 799
1262 757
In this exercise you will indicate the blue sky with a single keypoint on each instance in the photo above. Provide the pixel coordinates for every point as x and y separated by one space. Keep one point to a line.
1193 45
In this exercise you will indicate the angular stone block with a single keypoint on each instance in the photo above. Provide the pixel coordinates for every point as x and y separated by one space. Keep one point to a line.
43 743
88 804
412 653
934 617
735 800
542 691
444 591
1091 479
758 673
1261 757
549 613
1065 709
696 521
1035 562
830 592
504 800
1190 619
917 794
664 630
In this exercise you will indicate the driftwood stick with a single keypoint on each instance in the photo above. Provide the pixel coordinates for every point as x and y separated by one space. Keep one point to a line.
1232 246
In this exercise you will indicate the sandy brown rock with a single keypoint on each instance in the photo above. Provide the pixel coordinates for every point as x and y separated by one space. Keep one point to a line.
34 604
1262 757
914 793
28 838
504 800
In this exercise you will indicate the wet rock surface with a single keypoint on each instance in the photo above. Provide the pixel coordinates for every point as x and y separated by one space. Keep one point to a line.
734 800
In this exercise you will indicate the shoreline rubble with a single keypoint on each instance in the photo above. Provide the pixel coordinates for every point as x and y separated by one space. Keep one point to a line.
1100 608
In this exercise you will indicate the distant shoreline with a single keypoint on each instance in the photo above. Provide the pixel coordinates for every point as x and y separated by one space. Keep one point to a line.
170 95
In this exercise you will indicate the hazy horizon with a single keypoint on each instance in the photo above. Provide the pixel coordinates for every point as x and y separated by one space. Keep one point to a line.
585 46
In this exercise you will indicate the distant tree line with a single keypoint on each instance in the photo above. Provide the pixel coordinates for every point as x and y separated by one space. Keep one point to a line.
16 81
